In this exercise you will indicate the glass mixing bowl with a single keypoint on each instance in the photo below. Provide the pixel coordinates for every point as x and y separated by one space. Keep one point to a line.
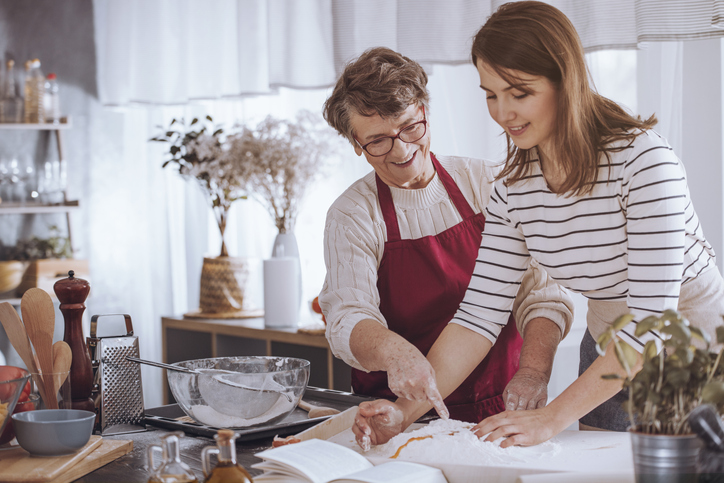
239 392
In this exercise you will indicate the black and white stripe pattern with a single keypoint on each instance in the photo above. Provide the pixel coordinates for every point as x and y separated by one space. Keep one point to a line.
635 237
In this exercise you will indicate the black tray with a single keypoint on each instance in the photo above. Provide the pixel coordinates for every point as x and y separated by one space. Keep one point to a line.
165 416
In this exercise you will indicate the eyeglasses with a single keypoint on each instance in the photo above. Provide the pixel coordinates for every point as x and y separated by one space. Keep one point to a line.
383 145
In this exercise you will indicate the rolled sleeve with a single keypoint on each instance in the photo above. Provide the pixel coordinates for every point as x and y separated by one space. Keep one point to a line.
540 296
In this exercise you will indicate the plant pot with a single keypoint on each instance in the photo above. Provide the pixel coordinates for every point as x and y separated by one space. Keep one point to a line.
665 459
224 282
11 274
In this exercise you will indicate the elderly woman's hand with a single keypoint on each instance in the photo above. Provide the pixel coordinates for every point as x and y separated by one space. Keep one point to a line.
377 422
410 376
528 389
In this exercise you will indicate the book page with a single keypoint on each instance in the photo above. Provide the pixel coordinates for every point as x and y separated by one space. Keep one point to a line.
316 460
395 472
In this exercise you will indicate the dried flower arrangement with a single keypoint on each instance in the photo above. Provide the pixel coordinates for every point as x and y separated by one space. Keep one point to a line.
673 381
285 157
197 151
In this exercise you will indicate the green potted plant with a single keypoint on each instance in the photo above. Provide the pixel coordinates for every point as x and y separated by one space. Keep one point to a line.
661 395
198 152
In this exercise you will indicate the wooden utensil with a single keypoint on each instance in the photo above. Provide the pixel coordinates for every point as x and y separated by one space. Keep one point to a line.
62 359
39 318
316 411
18 337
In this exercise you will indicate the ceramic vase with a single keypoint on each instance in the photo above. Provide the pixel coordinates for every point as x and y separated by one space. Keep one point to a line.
283 283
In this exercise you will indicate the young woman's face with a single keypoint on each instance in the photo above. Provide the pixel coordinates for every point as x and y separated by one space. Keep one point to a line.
527 110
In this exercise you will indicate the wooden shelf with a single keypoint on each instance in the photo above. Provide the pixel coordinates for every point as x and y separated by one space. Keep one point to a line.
65 123
31 208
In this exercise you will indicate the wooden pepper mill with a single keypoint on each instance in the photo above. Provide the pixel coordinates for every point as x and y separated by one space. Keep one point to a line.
72 293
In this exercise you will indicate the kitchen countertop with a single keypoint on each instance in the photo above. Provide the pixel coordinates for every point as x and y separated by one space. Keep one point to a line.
132 466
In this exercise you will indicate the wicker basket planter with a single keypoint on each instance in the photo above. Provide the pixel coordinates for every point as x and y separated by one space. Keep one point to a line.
223 288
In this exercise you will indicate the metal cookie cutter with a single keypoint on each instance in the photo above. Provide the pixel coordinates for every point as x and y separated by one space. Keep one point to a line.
117 390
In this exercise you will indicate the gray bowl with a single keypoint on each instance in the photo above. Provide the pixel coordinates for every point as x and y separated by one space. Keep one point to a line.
53 432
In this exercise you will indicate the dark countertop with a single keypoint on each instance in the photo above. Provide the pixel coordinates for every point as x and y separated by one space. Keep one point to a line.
132 466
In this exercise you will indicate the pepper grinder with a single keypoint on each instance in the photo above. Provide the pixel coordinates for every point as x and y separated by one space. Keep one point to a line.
72 293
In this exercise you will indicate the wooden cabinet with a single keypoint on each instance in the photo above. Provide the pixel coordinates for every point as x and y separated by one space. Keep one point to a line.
185 338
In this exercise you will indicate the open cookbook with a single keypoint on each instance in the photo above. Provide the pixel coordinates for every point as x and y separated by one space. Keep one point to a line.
320 461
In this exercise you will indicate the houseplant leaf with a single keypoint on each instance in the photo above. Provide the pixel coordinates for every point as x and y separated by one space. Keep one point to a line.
603 341
713 393
626 355
649 323
700 334
678 331
622 322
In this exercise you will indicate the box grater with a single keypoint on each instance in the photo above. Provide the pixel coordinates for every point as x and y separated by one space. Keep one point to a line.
117 389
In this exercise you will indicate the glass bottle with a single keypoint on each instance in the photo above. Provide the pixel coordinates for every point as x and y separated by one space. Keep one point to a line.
172 469
227 470
34 93
51 99
11 106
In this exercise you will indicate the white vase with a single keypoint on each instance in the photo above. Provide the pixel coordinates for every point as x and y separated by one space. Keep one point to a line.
283 283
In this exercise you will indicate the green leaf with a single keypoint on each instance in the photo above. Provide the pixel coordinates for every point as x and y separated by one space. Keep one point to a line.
671 316
697 333
626 355
611 376
720 334
678 378
603 341
650 351
679 332
622 322
713 393
649 323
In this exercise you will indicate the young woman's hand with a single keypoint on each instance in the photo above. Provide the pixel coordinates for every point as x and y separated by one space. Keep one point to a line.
377 422
520 428
528 389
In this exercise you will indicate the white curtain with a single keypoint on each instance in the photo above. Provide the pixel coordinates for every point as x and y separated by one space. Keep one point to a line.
240 60
176 51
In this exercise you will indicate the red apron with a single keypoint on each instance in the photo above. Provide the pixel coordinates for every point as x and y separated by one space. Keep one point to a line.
421 284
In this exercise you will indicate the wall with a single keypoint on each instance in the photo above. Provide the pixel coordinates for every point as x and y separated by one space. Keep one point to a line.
60 34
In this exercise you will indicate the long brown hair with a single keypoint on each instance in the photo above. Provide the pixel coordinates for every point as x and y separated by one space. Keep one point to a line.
538 39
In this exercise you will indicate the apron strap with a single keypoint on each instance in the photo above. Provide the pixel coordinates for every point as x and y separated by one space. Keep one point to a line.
388 210
388 207
456 195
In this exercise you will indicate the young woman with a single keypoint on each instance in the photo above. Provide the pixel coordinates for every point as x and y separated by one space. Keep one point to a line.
591 193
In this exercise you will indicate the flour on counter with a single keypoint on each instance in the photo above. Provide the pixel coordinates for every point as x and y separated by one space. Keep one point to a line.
450 441
211 417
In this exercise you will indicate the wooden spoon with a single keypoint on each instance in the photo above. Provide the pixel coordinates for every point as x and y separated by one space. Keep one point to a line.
19 339
316 411
39 318
62 359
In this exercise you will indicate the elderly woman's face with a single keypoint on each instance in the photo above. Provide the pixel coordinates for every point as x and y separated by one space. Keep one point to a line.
408 165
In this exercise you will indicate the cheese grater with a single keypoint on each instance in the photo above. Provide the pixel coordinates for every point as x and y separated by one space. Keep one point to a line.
117 389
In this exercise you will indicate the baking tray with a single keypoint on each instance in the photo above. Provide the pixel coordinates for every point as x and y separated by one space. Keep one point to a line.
298 420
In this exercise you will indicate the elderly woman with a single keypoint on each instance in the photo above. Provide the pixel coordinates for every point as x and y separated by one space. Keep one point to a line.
400 248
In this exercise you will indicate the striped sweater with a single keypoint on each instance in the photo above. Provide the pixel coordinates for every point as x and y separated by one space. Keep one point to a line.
634 238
